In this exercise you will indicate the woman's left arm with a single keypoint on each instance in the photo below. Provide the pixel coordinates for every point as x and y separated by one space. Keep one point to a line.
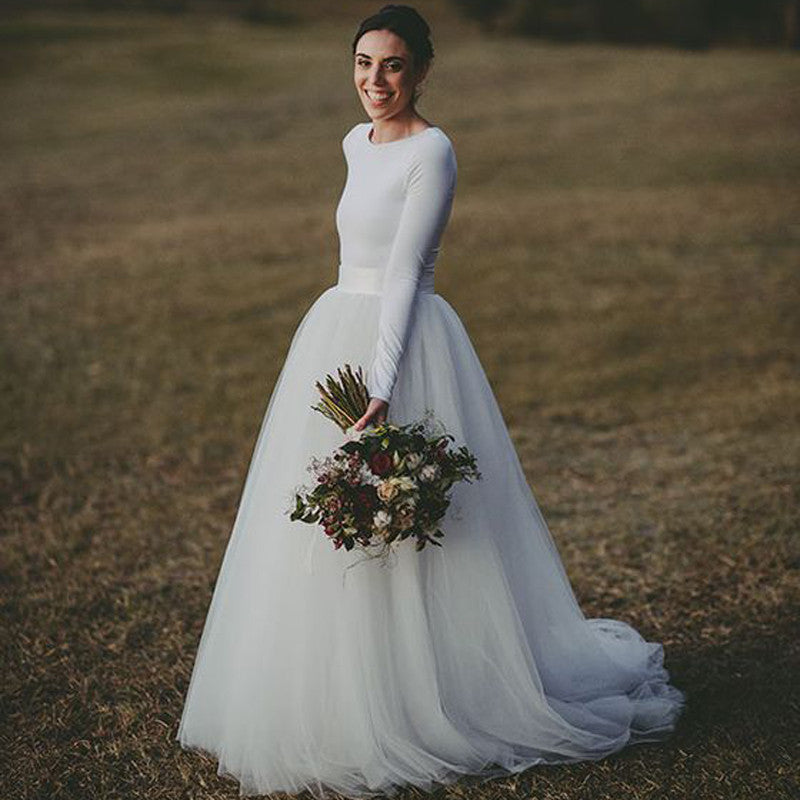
430 188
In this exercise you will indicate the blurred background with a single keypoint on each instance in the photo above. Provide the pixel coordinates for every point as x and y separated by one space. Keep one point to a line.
623 250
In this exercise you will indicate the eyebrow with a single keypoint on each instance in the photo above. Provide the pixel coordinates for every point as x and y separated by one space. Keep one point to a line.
388 58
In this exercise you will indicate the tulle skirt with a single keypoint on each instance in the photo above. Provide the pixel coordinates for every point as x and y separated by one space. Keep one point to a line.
472 658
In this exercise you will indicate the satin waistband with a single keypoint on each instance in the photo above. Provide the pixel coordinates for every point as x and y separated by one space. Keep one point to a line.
369 280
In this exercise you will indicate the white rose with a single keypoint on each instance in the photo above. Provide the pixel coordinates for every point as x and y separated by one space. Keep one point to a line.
430 472
404 483
368 476
382 520
413 460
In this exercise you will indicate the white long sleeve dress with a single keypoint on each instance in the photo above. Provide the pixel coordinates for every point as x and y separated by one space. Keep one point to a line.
472 658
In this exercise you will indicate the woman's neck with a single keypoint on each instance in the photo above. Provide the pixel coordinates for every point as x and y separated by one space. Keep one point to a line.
384 131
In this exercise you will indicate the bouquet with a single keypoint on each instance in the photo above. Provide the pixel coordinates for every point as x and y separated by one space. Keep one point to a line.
385 484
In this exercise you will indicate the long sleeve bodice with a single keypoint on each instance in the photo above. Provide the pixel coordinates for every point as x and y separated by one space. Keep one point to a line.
391 216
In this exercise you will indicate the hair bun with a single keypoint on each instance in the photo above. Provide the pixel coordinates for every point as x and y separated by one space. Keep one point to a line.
410 16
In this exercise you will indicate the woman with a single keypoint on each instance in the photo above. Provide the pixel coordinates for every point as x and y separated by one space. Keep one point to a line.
469 658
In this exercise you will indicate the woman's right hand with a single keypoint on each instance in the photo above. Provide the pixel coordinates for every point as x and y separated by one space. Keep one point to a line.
375 414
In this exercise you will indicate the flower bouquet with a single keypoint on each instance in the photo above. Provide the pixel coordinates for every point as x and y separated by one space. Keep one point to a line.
384 484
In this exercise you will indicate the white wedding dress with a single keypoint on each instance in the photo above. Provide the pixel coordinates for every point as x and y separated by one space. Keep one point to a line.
472 658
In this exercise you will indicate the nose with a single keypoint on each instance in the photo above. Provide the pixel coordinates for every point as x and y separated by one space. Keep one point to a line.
376 75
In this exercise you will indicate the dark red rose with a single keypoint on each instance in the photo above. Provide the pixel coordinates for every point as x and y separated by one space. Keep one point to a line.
365 497
380 464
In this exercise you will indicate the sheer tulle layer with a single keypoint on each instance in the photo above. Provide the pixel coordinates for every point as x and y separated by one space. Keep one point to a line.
470 658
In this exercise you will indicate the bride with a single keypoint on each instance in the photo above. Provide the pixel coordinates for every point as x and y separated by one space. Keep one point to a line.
470 658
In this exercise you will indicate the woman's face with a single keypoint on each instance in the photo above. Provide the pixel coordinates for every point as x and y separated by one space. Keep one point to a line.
384 74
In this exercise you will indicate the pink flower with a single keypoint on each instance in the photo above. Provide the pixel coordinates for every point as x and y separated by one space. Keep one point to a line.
332 504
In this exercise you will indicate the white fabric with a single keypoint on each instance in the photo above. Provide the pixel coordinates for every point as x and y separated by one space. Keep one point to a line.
391 216
470 658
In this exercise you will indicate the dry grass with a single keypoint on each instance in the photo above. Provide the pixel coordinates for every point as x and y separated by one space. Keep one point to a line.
628 220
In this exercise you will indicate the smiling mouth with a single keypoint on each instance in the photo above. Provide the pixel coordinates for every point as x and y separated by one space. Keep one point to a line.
378 97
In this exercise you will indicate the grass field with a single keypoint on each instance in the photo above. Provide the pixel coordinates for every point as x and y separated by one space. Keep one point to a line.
624 251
